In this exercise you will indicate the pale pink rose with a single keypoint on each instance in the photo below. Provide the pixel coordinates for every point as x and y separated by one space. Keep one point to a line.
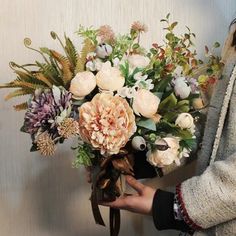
161 158
107 123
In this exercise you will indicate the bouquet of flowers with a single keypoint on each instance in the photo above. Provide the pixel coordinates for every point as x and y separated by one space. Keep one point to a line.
118 99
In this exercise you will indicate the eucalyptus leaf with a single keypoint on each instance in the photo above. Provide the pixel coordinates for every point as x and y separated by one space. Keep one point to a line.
148 124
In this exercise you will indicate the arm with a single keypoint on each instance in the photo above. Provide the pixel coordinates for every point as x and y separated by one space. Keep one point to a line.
210 199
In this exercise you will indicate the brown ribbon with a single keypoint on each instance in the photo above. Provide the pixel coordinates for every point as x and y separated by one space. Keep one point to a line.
106 188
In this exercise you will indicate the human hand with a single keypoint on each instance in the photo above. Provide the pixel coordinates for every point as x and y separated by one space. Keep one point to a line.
139 203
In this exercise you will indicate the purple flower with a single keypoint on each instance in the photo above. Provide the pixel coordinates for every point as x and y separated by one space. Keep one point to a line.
46 110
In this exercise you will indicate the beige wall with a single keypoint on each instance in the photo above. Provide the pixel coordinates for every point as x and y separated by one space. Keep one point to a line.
46 197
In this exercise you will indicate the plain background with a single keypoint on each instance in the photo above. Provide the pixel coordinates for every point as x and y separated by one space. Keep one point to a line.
45 196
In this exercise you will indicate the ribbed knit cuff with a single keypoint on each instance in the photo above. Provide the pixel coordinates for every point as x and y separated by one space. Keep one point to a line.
183 210
163 212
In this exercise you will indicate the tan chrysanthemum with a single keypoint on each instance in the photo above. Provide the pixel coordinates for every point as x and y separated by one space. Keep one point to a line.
45 144
68 128
106 33
107 123
138 26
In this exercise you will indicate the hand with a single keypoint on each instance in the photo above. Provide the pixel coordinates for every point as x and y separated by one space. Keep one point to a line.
138 203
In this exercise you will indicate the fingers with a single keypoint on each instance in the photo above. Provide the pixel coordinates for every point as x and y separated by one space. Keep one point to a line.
120 203
132 182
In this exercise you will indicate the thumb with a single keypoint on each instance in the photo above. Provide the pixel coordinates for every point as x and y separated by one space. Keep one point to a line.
132 182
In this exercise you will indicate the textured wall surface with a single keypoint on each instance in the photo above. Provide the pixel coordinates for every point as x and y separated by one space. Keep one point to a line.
46 197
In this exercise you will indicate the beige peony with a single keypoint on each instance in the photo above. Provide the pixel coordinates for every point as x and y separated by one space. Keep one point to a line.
139 61
145 103
82 84
107 123
162 158
109 78
185 121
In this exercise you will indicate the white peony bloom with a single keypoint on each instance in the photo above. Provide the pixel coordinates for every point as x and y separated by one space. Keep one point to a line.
185 121
145 103
82 84
109 78
162 157
138 61
181 88
103 50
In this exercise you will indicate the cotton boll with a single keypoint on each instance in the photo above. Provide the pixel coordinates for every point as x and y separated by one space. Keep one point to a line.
104 50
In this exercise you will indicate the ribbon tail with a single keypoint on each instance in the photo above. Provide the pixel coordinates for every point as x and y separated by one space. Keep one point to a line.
114 222
95 208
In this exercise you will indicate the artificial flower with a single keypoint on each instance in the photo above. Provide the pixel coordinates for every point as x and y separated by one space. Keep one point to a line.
106 34
197 103
107 123
82 84
45 144
138 143
103 50
109 78
181 88
145 103
138 26
68 128
138 61
184 121
94 65
161 157
127 92
142 82
44 110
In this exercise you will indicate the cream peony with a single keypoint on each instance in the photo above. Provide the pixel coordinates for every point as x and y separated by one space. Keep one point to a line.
109 78
184 121
145 103
82 84
137 60
107 123
167 156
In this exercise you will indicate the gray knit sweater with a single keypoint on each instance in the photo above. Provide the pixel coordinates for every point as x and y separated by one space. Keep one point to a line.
210 198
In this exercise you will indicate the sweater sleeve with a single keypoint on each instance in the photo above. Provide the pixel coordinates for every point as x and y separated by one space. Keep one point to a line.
210 199
163 212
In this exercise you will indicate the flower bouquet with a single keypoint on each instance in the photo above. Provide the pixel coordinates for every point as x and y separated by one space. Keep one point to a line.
119 100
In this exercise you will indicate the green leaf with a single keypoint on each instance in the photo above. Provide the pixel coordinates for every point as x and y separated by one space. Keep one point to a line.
173 25
216 45
189 143
84 155
148 124
45 50
183 106
168 103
